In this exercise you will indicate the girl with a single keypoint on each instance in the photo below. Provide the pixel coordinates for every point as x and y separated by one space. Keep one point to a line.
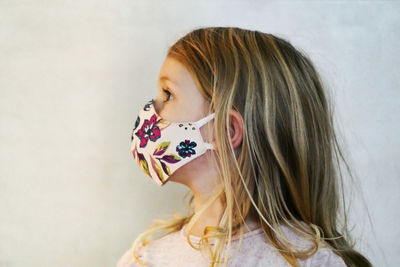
242 120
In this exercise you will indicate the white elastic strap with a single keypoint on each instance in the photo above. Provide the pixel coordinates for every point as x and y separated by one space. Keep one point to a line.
204 120
209 146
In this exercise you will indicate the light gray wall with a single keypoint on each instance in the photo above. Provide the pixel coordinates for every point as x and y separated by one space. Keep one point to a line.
74 74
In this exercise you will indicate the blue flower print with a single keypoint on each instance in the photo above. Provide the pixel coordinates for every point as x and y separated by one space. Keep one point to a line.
147 106
136 125
137 122
185 148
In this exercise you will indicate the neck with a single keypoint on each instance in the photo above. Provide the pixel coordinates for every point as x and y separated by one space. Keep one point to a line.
213 214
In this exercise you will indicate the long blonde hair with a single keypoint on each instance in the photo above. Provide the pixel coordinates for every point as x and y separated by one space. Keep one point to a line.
287 169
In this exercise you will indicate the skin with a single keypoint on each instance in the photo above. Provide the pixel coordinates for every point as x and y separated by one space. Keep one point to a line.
186 104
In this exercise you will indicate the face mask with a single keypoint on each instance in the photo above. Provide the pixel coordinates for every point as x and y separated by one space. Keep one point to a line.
160 147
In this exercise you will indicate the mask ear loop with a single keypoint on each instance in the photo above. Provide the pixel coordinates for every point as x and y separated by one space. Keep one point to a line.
203 121
209 146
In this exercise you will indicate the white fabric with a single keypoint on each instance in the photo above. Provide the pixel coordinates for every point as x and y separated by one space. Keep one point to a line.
169 135
173 250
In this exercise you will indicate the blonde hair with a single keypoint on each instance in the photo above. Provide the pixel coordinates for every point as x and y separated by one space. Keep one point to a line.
287 168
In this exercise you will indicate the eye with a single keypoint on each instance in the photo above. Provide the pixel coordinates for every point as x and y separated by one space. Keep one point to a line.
168 94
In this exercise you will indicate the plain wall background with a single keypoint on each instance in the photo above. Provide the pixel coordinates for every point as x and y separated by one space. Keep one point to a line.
74 74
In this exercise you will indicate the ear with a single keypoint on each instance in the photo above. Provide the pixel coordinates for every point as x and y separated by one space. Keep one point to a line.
236 127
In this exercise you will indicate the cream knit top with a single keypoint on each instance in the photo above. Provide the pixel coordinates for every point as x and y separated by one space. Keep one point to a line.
174 250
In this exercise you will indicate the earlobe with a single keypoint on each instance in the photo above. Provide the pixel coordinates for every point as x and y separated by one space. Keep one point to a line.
215 145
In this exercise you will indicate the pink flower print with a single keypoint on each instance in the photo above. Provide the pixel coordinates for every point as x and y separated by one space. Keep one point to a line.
148 130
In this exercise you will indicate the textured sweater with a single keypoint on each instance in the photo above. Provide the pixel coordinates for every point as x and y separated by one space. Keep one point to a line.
255 250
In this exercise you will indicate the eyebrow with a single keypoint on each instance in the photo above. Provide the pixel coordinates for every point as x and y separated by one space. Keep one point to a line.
162 78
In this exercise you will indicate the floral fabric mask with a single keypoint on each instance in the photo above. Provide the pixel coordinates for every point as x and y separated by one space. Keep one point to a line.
160 147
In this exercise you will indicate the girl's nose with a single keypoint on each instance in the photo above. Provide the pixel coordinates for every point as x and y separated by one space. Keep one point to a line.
157 103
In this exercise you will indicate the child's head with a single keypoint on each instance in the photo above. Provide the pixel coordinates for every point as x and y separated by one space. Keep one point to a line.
276 148
272 129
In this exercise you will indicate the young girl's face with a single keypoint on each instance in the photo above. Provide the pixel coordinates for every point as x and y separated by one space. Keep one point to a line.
179 100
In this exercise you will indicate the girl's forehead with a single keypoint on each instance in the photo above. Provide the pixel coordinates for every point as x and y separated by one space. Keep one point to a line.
177 77
173 70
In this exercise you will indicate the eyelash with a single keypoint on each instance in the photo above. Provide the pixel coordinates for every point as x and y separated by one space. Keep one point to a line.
168 93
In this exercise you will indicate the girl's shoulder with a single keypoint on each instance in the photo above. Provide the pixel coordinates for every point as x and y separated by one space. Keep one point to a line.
126 260
255 250
168 250
324 256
